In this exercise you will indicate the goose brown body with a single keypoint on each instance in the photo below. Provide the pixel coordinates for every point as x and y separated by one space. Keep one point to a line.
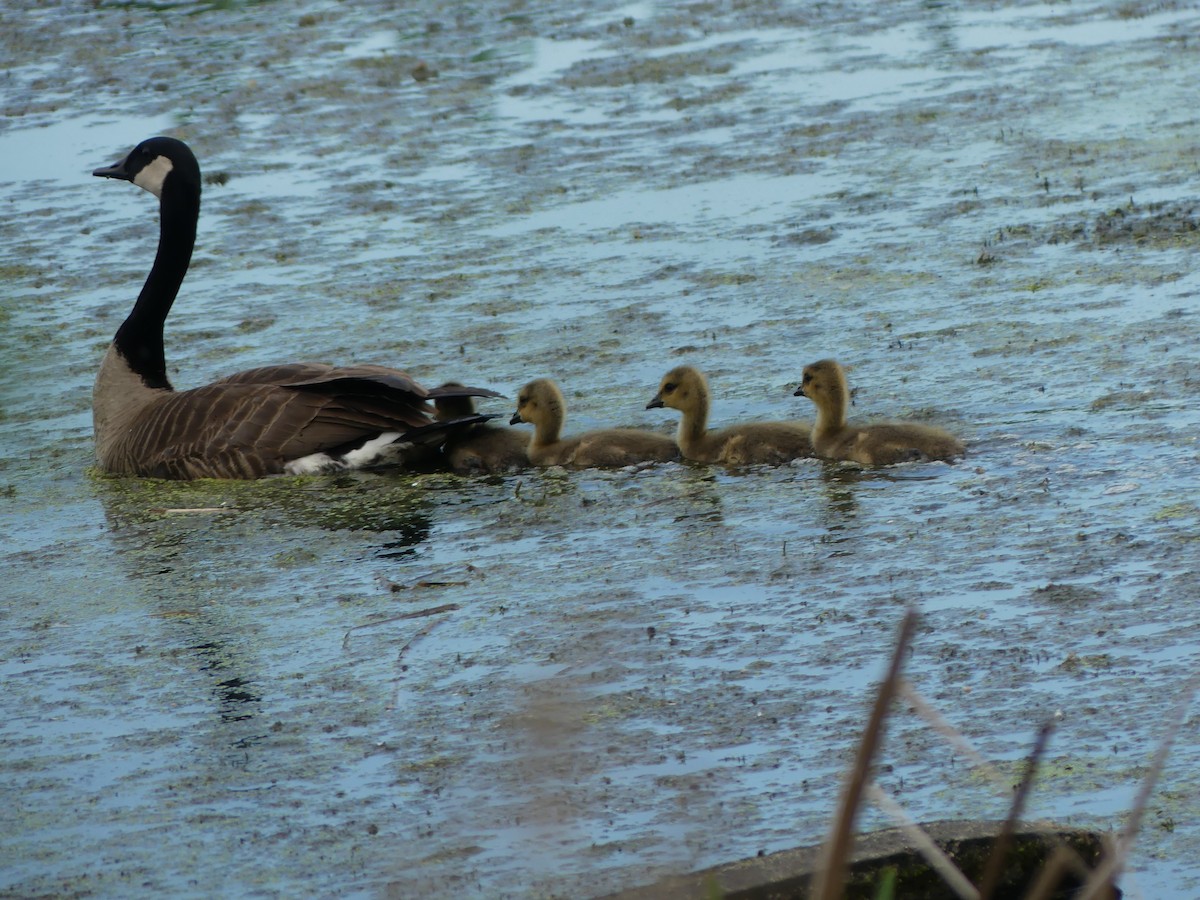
298 417
685 388
885 443
481 449
541 404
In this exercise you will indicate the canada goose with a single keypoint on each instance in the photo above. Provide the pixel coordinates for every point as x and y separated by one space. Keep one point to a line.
297 418
824 383
541 404
480 449
684 388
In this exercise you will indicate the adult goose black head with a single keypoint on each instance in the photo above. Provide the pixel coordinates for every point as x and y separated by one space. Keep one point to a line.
296 418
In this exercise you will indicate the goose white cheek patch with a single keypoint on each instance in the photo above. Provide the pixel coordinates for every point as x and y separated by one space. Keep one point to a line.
152 176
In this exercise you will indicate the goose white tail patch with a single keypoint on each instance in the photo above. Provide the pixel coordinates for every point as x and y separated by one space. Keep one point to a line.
313 464
152 175
379 451
376 452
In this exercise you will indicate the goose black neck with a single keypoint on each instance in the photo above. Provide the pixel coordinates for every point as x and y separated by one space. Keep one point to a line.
140 337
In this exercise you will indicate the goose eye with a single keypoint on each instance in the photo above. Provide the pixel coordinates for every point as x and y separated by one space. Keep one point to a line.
668 388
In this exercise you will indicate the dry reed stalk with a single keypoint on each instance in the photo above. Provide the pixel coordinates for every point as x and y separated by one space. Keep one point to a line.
831 875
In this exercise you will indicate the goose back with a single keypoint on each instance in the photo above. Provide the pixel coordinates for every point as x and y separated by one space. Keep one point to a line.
248 426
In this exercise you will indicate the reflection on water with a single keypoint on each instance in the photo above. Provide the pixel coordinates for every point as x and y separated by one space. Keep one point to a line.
172 538
236 702
841 502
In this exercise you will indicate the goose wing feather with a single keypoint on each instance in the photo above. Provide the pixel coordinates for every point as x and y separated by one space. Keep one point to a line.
458 390
319 375
287 373
227 429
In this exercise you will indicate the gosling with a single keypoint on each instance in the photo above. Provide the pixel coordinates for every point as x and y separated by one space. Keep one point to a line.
541 404
685 389
824 383
481 449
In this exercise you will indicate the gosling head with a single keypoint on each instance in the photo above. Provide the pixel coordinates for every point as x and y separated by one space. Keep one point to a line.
156 163
450 408
539 402
822 381
682 388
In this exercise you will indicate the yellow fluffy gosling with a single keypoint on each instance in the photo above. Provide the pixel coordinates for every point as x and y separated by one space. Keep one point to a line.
541 404
685 389
824 383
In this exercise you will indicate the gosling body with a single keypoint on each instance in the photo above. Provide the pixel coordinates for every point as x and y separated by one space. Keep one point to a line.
541 404
882 444
482 449
754 443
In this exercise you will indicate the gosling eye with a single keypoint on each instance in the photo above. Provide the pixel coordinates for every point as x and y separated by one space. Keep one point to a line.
669 388
807 377
522 401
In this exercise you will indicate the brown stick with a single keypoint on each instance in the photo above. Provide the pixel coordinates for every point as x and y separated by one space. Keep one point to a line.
1052 872
831 875
939 724
995 863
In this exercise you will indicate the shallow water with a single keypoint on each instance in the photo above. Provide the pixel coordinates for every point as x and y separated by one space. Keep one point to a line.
988 214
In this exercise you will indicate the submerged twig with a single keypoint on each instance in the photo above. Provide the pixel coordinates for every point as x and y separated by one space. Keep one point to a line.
832 873
433 579
415 614
421 632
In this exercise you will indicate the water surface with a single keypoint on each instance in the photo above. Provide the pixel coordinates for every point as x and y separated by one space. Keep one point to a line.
988 215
